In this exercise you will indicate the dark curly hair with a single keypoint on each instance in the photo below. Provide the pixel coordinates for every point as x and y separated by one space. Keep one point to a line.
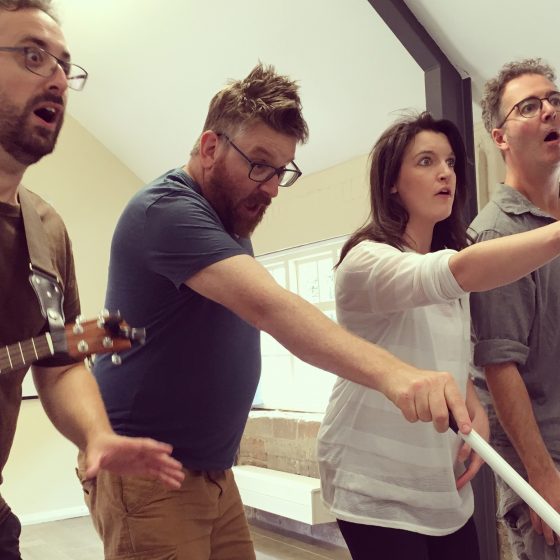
491 102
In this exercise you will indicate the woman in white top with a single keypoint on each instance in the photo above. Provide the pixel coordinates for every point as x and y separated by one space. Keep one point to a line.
400 489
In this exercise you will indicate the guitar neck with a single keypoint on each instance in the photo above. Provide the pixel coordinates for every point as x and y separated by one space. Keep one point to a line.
23 354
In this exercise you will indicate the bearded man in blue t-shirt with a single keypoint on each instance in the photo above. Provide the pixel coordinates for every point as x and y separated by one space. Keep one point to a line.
182 265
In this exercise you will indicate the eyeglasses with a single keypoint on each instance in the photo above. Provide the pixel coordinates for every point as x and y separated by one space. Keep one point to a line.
262 172
43 63
531 106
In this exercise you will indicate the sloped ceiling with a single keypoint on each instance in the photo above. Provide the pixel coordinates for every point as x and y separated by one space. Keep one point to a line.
155 64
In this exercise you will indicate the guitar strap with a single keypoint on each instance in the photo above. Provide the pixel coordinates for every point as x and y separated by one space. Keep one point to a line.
42 277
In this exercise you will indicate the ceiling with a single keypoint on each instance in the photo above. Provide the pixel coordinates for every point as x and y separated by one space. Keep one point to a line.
155 64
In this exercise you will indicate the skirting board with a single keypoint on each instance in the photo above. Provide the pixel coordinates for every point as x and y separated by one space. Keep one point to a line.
285 494
54 515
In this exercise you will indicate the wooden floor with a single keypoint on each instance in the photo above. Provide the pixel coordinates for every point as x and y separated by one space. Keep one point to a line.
75 539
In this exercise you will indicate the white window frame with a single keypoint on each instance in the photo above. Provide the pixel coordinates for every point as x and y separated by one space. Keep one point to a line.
288 383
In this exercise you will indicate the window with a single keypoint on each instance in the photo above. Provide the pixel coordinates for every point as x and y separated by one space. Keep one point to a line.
287 382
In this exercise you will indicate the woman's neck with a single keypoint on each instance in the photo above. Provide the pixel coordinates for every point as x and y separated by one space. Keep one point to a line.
418 236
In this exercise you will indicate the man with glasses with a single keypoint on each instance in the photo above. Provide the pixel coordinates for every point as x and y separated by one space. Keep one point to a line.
35 72
517 339
182 264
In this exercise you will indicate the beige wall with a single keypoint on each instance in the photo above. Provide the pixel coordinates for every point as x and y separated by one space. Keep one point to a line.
89 187
319 206
490 168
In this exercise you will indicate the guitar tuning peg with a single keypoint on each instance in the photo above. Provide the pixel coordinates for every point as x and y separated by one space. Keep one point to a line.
78 328
104 313
107 342
116 359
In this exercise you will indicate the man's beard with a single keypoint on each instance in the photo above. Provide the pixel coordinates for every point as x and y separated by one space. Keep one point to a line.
26 143
222 190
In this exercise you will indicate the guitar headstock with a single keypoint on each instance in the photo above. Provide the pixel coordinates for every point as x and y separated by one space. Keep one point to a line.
108 333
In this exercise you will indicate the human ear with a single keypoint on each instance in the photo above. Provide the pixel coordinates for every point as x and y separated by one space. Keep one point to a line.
500 139
208 148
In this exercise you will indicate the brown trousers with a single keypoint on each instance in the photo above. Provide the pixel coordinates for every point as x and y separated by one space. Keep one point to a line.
139 519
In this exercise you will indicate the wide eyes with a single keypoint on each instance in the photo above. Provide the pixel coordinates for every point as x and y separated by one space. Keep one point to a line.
426 161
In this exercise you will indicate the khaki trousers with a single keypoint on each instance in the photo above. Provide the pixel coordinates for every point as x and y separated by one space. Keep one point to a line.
139 519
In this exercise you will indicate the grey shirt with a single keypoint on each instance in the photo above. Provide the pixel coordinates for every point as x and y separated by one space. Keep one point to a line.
519 322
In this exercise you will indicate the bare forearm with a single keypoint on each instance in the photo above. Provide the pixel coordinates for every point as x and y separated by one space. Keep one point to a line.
73 403
513 407
314 338
489 264
253 295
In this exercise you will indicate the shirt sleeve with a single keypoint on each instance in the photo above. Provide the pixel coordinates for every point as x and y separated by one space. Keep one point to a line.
379 278
502 319
183 236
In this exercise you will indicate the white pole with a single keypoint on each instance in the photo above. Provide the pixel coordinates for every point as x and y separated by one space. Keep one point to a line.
516 482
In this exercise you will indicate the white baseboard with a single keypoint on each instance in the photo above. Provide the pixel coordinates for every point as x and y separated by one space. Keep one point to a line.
288 495
54 515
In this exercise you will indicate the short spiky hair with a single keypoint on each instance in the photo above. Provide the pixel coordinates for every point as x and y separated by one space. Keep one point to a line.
262 96
16 5
494 88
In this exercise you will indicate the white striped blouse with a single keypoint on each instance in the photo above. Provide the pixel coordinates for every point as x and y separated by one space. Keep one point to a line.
377 468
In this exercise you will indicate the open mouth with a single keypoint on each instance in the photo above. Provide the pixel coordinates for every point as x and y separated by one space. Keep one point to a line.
445 191
47 114
552 136
256 208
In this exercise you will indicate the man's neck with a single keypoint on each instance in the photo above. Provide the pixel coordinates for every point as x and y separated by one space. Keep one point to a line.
193 170
540 186
11 174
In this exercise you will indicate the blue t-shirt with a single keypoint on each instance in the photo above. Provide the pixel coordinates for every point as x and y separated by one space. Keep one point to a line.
193 382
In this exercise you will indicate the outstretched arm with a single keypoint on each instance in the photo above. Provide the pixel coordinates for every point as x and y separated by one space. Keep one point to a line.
73 403
496 262
253 294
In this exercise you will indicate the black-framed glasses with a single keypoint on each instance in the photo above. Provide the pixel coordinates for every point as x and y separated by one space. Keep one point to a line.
531 106
43 63
262 172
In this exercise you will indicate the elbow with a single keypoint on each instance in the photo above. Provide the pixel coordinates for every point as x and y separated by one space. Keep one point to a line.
461 272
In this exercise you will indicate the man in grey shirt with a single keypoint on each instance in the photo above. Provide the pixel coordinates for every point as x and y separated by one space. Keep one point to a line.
517 338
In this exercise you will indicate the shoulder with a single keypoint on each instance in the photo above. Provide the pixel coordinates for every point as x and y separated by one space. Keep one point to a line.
508 212
49 216
368 252
176 195
493 221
